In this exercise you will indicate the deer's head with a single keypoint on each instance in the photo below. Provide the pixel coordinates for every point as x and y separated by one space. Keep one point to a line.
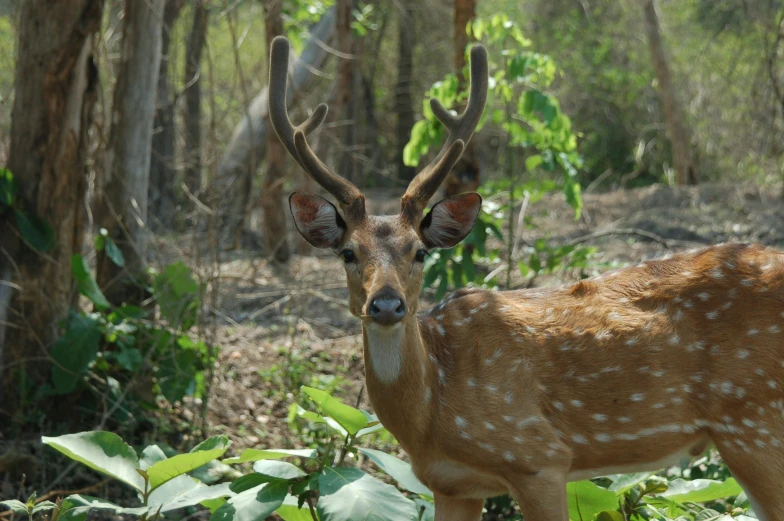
383 255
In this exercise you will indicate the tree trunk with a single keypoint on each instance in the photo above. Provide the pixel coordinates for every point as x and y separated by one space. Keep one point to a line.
192 116
123 207
55 91
274 227
162 173
683 159
248 144
403 105
466 174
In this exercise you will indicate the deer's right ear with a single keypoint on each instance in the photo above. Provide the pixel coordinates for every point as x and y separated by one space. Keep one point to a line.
317 220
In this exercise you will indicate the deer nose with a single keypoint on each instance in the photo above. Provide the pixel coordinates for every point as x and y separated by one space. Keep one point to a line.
387 309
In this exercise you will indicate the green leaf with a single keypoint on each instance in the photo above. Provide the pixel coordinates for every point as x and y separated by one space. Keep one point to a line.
254 504
196 496
572 191
623 482
38 233
587 500
102 451
262 454
76 507
348 417
347 494
531 162
43 506
86 283
700 490
612 515
8 189
278 470
73 352
210 449
114 252
290 510
177 295
399 470
14 504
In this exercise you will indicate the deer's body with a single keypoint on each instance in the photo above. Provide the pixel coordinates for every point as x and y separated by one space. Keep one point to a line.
522 391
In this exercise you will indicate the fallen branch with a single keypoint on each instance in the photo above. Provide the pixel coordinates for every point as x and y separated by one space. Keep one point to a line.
669 243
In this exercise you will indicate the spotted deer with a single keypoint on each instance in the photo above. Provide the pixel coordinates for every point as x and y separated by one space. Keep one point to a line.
523 391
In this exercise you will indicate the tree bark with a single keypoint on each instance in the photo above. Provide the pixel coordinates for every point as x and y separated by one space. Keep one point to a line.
55 92
403 104
248 144
162 172
274 223
192 117
123 207
466 174
683 159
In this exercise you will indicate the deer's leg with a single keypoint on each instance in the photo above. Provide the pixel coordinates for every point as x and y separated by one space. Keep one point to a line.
450 508
761 474
542 496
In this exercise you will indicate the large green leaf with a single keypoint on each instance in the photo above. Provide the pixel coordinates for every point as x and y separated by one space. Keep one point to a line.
348 417
76 507
278 470
102 451
35 231
197 495
290 510
85 282
73 352
623 482
348 494
262 454
587 500
700 490
15 505
254 504
210 449
398 469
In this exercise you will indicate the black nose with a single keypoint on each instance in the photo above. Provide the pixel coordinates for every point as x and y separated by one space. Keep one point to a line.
387 309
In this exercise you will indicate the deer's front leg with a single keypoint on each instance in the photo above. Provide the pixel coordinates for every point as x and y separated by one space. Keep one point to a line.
542 496
449 508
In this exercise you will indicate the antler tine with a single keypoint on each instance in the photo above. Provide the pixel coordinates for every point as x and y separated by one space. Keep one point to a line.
460 129
344 191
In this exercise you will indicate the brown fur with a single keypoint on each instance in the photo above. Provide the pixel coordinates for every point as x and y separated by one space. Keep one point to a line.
622 371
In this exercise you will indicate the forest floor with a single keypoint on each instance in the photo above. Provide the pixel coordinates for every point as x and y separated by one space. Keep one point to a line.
289 326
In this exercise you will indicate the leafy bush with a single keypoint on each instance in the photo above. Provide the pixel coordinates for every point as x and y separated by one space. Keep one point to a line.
323 488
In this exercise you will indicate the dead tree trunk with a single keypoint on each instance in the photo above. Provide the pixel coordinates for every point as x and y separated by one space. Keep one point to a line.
248 144
55 91
162 172
683 159
274 227
192 117
466 174
123 206
403 105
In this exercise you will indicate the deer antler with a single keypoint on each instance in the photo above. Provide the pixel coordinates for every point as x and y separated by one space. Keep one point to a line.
294 138
460 128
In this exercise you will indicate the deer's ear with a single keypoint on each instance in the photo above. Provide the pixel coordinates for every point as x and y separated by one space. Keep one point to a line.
450 220
317 220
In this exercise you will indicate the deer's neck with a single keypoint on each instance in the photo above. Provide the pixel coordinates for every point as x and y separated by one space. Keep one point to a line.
396 376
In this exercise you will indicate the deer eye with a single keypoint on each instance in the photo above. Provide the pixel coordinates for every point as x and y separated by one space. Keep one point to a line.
348 256
420 255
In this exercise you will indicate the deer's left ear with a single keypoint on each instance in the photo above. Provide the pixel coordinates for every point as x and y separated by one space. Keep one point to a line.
450 220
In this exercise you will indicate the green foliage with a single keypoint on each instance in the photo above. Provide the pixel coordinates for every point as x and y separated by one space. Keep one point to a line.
336 492
126 343
36 232
536 128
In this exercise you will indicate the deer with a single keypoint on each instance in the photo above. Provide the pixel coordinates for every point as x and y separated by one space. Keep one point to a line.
522 391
